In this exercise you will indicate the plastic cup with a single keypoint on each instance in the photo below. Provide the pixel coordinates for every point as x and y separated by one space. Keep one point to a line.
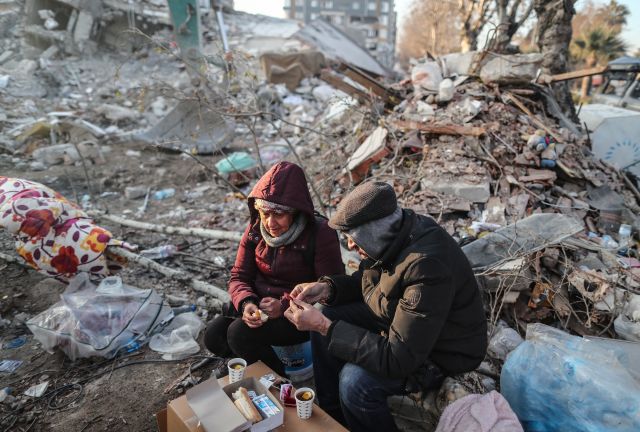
304 407
236 368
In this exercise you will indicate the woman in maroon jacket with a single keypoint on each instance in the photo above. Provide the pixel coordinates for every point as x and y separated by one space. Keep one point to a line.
283 245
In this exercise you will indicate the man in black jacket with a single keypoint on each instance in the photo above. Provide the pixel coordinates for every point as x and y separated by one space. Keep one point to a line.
411 315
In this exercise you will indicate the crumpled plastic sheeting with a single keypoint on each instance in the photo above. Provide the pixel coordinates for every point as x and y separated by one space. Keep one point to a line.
558 382
54 235
99 321
177 341
479 413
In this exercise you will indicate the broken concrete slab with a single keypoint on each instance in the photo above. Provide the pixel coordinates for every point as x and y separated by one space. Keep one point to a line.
523 237
371 151
479 191
512 276
191 127
337 45
511 69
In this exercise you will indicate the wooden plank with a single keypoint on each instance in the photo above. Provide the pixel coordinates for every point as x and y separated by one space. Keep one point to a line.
336 82
510 97
576 74
438 128
369 83
539 176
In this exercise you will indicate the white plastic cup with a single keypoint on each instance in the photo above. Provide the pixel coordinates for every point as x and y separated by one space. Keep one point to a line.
304 407
236 374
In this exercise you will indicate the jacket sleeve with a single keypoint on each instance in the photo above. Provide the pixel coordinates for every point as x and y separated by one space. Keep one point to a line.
346 288
418 320
327 256
243 273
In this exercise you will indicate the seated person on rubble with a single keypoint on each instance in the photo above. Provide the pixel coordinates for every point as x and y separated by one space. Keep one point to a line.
284 244
411 315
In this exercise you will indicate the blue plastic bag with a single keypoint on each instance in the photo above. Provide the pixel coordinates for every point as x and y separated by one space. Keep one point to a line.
238 161
558 382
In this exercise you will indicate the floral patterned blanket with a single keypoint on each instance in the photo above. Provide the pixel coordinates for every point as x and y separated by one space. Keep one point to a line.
54 235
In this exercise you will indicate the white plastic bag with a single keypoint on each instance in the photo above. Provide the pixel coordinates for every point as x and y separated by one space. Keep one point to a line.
426 75
99 321
626 328
177 340
504 340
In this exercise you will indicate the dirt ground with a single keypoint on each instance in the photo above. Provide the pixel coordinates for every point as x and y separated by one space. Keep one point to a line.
112 399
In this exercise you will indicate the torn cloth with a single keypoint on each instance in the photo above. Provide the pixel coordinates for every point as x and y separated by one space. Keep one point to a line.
52 234
479 413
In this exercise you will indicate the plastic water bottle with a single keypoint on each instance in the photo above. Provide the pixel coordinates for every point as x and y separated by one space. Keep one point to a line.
624 238
164 193
183 309
160 252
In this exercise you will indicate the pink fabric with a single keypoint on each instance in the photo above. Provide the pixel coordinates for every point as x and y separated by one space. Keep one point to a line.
53 235
479 413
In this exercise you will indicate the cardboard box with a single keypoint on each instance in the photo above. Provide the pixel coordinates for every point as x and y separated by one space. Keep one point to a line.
180 417
208 407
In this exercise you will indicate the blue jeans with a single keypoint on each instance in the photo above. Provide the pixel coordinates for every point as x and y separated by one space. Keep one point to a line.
352 395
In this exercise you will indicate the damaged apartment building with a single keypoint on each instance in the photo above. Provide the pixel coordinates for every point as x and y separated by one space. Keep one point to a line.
78 26
372 23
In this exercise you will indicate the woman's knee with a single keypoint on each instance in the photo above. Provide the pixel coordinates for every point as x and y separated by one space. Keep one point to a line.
239 335
215 336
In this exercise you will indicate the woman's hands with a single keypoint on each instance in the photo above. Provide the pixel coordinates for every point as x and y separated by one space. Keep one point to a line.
271 306
253 315
250 316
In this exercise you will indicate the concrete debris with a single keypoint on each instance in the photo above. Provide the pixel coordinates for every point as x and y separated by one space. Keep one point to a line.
445 90
371 151
511 70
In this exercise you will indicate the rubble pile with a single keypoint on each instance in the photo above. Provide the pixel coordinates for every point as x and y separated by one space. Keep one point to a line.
549 229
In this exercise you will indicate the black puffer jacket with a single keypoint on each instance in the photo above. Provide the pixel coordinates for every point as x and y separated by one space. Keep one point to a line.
424 288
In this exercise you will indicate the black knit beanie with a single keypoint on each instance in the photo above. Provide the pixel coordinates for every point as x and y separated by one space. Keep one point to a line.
368 201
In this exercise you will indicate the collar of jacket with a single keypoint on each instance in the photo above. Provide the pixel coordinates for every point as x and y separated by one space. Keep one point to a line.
403 237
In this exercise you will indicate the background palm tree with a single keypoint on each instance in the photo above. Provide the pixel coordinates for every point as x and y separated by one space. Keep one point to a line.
596 46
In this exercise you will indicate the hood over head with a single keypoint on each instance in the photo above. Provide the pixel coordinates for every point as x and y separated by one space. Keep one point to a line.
284 184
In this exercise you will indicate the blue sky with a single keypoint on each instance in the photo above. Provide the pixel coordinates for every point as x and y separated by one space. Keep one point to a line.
631 34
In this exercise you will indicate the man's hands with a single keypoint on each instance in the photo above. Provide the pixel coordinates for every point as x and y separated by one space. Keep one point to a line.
311 292
249 316
271 306
307 318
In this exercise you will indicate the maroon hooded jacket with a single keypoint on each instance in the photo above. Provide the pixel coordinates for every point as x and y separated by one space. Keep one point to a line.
262 271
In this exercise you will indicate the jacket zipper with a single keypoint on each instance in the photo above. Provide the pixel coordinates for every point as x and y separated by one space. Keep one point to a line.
275 257
377 263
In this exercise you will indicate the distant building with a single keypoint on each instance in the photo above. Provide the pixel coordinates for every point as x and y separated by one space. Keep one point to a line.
372 23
